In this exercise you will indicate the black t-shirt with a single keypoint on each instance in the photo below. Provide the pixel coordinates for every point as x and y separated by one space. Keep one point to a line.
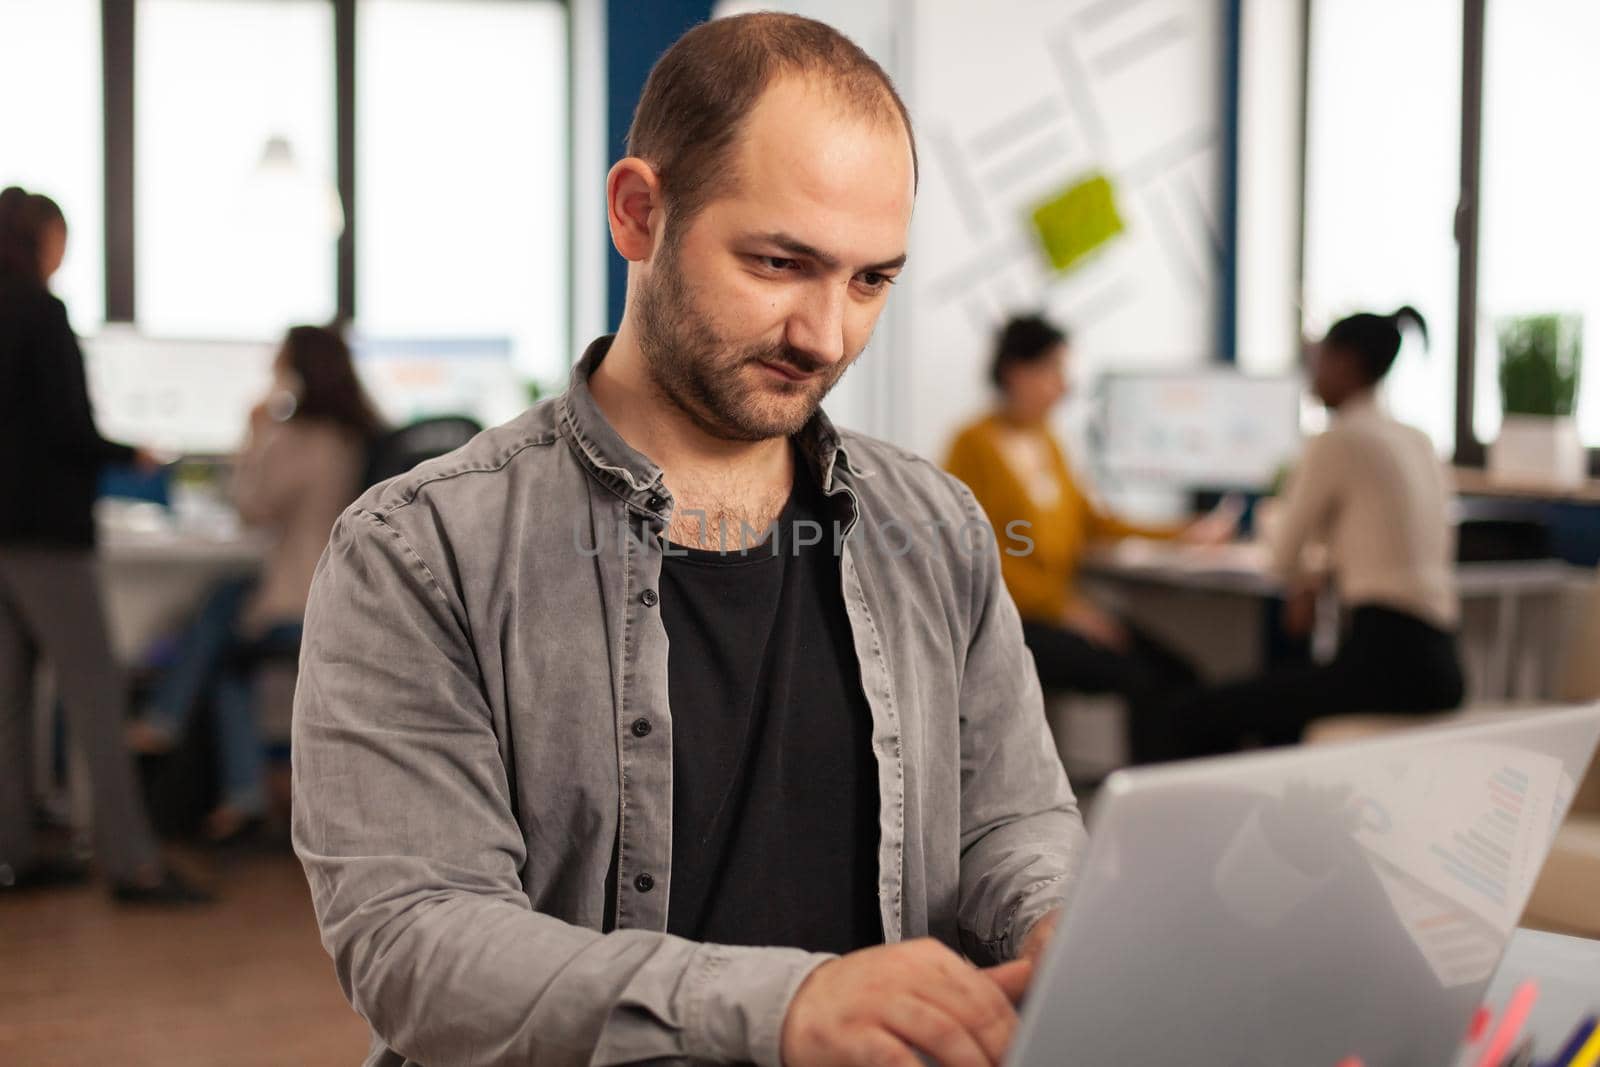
775 791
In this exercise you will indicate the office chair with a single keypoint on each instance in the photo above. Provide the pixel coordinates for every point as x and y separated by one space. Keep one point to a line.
1499 530
401 449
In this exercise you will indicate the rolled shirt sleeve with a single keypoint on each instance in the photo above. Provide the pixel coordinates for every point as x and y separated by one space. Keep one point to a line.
403 819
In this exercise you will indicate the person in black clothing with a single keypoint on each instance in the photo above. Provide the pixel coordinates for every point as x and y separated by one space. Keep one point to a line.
50 459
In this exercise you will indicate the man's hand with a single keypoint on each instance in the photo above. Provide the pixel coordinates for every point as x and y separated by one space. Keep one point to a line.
881 1006
1038 938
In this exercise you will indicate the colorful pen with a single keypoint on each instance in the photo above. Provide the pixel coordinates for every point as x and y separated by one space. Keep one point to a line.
1511 1020
1589 1054
1569 1051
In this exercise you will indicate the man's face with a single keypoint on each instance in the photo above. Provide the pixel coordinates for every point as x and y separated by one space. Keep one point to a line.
750 314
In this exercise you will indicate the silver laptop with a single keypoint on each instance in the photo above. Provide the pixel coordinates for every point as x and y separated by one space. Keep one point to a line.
1305 906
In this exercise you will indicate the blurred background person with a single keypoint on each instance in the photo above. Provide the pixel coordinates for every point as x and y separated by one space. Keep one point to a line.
51 456
1372 492
301 464
1018 470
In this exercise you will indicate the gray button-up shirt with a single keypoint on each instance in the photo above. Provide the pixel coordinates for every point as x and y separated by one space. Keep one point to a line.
488 840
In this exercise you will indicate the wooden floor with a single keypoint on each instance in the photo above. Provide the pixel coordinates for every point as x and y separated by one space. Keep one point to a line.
242 982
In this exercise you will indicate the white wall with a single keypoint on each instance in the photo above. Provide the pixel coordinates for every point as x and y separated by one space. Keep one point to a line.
1012 102
1270 110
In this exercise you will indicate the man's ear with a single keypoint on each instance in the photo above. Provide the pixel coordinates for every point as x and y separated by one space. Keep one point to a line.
634 208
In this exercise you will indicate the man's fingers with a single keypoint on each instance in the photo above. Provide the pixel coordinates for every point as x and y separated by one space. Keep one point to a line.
879 1048
920 997
929 1027
966 993
1012 978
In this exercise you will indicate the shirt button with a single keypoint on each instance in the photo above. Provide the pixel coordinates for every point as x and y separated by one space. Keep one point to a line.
641 727
650 598
644 883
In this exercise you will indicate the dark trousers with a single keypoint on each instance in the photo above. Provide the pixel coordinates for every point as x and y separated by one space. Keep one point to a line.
50 608
1388 662
1150 676
215 670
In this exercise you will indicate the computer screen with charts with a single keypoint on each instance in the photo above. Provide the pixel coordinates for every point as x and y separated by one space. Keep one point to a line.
187 396
194 396
1213 429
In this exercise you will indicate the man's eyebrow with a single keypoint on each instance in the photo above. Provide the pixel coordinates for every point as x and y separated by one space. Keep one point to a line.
889 264
796 247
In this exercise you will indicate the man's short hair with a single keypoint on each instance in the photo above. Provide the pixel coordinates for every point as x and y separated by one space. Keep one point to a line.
700 92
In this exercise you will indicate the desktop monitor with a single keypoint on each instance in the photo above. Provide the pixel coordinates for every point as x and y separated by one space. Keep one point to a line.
1196 430
194 397
187 396
412 378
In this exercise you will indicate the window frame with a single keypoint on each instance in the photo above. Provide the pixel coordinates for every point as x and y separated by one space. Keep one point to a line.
1470 451
118 27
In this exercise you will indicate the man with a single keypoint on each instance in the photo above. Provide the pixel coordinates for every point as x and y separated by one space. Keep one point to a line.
575 745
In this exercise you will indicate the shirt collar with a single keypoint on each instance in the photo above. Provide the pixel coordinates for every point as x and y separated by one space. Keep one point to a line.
632 475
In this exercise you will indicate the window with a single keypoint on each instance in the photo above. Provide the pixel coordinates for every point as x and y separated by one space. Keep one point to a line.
1540 215
461 175
1384 160
50 132
236 216
1382 174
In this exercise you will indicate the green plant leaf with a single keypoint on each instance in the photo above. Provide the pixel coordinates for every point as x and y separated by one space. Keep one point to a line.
1540 358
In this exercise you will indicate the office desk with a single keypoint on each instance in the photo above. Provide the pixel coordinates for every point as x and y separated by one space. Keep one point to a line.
154 576
1210 604
1568 972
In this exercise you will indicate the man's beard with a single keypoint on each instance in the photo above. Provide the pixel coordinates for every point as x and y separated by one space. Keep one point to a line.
695 370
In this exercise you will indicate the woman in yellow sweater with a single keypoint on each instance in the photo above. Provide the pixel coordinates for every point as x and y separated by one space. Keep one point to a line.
1017 470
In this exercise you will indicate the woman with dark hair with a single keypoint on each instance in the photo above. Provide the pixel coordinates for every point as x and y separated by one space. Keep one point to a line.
1372 493
50 461
299 467
1018 471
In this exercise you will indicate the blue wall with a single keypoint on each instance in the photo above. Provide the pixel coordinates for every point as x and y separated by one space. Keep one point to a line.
637 32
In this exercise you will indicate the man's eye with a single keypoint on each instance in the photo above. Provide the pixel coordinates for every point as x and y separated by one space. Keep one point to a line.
873 280
778 263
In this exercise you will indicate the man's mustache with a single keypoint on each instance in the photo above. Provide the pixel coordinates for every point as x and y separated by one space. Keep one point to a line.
791 357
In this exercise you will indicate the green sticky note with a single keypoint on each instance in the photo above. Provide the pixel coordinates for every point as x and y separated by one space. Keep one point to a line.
1077 220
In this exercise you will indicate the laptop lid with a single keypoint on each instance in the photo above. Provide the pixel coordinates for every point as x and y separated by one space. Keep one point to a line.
1305 905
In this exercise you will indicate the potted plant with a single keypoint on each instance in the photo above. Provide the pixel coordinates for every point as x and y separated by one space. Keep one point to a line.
1540 357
